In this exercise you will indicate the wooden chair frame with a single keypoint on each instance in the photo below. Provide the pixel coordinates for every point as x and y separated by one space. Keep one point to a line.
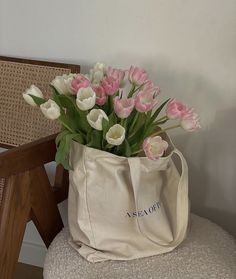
27 193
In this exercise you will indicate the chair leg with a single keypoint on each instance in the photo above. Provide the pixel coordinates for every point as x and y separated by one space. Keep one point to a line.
14 213
44 211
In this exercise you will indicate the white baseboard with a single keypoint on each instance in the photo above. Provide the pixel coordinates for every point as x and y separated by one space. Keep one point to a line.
32 253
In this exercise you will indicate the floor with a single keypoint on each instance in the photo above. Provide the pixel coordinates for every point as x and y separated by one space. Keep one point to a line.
25 271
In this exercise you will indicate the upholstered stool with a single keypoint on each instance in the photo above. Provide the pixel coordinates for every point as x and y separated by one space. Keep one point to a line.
208 252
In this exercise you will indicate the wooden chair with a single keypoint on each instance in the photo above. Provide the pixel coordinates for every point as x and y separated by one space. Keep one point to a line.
25 191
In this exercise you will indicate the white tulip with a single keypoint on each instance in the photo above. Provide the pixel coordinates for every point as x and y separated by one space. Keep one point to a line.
62 83
86 98
100 67
33 90
68 79
95 118
115 135
97 73
97 76
50 109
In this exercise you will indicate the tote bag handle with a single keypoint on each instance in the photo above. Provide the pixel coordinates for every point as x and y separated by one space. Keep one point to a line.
182 208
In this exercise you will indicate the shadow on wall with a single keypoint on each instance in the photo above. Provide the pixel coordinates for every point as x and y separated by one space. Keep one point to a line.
212 169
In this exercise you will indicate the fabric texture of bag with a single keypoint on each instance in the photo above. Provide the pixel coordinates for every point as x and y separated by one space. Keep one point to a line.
125 208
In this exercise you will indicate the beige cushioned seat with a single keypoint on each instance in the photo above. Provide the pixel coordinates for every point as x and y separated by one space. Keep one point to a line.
208 252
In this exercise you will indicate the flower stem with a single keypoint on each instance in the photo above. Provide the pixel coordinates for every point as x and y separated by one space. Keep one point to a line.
162 118
164 130
132 90
110 104
137 152
67 127
134 121
123 122
139 87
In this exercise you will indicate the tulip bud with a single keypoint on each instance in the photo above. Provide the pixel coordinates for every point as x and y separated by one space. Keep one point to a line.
95 118
97 73
175 109
63 83
190 121
117 74
123 106
115 135
35 91
145 101
137 76
110 85
101 96
149 86
80 81
86 98
154 147
50 109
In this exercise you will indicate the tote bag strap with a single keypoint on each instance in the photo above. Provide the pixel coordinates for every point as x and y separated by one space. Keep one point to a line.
182 210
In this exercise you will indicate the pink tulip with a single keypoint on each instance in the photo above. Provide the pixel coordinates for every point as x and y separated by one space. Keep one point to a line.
154 147
137 76
116 74
101 96
175 109
78 82
110 85
190 121
149 86
145 101
123 106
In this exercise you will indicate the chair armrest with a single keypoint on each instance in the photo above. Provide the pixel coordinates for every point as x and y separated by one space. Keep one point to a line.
27 156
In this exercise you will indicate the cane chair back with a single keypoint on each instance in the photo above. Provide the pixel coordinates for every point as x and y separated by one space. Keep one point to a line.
19 122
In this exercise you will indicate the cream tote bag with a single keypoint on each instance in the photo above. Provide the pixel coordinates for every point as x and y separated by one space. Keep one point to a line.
126 208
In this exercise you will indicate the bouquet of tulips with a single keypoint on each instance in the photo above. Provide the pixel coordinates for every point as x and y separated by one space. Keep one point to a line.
112 110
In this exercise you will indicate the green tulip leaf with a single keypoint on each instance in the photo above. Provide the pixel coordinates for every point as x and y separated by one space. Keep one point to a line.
158 110
55 91
128 151
63 143
105 127
95 139
38 101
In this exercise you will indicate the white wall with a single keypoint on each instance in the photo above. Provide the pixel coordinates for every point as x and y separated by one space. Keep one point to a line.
187 46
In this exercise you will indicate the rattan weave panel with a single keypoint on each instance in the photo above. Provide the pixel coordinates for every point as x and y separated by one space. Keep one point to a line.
19 122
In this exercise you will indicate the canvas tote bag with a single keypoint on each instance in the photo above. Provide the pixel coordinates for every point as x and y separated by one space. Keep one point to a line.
125 208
